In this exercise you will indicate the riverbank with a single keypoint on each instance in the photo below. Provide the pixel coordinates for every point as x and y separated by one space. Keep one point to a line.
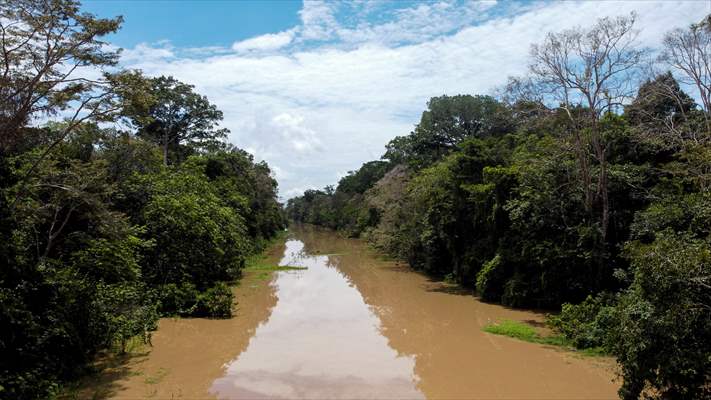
351 325
187 353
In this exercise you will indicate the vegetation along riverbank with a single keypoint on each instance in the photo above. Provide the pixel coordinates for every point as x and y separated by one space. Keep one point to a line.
108 226
133 232
571 190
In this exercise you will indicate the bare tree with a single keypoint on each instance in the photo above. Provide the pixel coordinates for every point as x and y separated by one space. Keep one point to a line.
688 51
590 72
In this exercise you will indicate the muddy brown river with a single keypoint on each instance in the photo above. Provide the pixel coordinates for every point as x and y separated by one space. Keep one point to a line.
351 326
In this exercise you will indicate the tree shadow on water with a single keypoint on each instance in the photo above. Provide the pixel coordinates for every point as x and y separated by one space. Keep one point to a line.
105 376
441 286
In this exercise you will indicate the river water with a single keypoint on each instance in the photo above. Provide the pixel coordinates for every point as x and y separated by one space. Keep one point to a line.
352 326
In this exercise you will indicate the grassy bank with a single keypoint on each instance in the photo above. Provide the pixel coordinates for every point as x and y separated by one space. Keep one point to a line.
527 333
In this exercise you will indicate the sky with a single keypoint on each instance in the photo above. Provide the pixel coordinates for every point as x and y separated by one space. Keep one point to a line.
317 88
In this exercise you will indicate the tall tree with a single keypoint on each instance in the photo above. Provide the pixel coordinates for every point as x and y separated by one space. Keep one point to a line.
48 47
179 116
689 52
590 72
447 121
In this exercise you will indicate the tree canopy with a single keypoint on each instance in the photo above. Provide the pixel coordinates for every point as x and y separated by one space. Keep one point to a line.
100 236
583 188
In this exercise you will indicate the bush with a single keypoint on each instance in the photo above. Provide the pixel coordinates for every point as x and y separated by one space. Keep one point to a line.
588 324
186 300
216 302
178 299
130 311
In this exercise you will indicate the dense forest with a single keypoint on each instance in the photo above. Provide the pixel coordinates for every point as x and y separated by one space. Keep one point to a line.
120 200
583 186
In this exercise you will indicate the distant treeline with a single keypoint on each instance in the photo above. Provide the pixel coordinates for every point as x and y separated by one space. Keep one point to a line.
585 184
128 208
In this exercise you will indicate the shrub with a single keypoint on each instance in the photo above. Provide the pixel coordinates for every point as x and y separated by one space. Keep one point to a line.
216 302
178 299
186 300
130 311
588 324
517 291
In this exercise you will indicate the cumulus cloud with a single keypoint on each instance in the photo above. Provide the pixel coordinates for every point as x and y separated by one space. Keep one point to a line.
300 138
270 41
144 52
328 94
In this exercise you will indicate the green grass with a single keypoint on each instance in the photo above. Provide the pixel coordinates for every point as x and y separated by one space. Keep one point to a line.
514 329
522 331
259 262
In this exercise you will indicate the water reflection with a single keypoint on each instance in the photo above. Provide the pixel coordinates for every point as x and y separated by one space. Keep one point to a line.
321 341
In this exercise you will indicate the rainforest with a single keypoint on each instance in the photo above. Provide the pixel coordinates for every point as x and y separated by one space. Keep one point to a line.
548 238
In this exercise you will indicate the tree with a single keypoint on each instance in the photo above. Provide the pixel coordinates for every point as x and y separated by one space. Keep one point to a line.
178 116
198 238
590 72
689 52
364 178
447 121
45 44
662 111
388 200
49 50
664 324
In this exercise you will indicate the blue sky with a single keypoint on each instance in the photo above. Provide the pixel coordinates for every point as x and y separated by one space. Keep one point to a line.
316 88
196 23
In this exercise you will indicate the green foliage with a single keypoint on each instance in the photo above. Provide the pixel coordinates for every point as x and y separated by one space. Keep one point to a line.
588 324
245 186
448 121
487 279
216 302
664 316
534 207
99 237
178 298
178 119
129 310
364 178
197 237
42 43
527 333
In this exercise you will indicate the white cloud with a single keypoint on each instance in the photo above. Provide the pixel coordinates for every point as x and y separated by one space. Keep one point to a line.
144 52
270 41
311 108
421 22
318 19
300 138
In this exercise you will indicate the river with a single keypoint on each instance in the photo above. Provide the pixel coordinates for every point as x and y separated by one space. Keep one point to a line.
352 325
